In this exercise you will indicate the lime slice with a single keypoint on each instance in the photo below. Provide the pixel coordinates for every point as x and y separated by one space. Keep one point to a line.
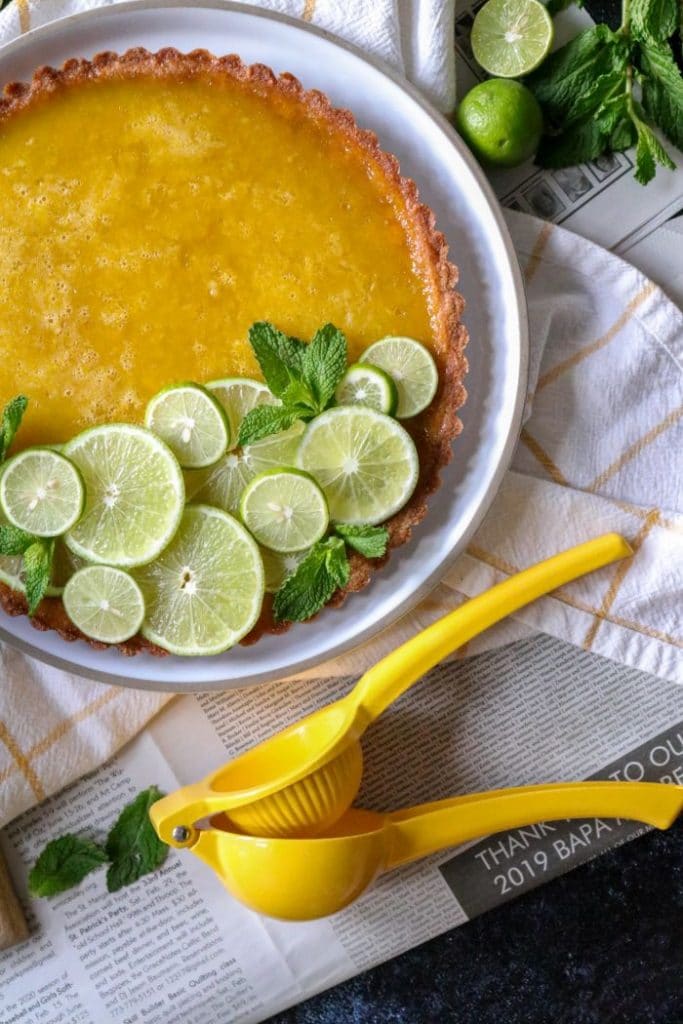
191 422
368 386
205 591
285 510
134 495
238 396
365 462
411 367
64 564
222 485
511 37
278 567
42 492
11 567
104 603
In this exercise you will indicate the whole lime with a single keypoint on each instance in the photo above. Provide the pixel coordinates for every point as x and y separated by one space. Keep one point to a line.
501 122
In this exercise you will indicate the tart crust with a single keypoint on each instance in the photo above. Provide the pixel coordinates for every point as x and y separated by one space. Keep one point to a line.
434 430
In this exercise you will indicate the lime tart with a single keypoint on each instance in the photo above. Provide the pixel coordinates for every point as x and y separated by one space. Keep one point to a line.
155 208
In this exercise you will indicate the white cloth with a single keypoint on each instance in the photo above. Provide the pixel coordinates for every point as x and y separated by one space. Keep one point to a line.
601 450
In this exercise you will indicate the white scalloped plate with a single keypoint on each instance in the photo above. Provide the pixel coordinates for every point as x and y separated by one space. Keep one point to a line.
467 212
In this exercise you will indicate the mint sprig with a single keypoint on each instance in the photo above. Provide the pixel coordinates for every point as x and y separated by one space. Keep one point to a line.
588 91
63 864
325 569
132 850
37 568
10 422
304 377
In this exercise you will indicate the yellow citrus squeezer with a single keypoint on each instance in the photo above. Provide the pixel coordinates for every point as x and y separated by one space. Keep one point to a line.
299 782
302 879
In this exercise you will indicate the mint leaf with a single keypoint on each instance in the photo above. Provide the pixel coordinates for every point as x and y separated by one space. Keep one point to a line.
14 541
64 863
265 420
568 75
324 569
662 90
280 357
370 541
654 20
12 416
37 568
133 846
324 364
649 153
581 141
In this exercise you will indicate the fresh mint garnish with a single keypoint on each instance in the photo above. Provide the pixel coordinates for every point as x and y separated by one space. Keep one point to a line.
370 541
132 850
588 91
64 863
133 847
12 416
324 569
14 541
304 377
37 568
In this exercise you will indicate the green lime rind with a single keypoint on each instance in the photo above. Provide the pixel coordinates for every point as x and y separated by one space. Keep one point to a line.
205 591
365 462
192 422
412 368
134 495
42 492
368 386
105 603
223 484
510 38
284 510
238 396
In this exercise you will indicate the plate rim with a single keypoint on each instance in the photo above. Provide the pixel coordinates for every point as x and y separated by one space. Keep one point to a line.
428 584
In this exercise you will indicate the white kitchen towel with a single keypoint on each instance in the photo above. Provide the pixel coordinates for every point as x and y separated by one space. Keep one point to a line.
601 450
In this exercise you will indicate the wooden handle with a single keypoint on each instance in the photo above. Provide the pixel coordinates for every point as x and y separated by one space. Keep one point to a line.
13 927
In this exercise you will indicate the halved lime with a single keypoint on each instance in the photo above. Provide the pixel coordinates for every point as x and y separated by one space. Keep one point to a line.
368 386
205 591
511 37
222 485
42 492
134 495
192 422
238 396
411 367
365 462
278 567
285 510
104 603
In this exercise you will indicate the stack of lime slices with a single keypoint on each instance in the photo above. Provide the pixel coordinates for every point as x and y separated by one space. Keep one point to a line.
172 531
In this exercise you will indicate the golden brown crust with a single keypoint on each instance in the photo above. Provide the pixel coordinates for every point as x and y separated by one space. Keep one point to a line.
433 430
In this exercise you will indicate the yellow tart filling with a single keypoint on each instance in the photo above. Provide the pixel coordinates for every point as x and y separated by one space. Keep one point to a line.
145 224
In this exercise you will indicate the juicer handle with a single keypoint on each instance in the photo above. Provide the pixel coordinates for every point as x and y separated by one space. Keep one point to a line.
388 679
181 809
431 827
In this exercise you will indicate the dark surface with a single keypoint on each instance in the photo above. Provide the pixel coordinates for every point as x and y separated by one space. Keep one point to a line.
601 945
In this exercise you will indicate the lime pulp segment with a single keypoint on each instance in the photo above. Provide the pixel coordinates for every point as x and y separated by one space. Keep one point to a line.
41 492
412 368
134 495
365 462
204 593
284 510
368 386
511 37
279 567
192 423
106 604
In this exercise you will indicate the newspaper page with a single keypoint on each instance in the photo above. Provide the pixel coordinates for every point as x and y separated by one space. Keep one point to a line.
600 200
177 945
